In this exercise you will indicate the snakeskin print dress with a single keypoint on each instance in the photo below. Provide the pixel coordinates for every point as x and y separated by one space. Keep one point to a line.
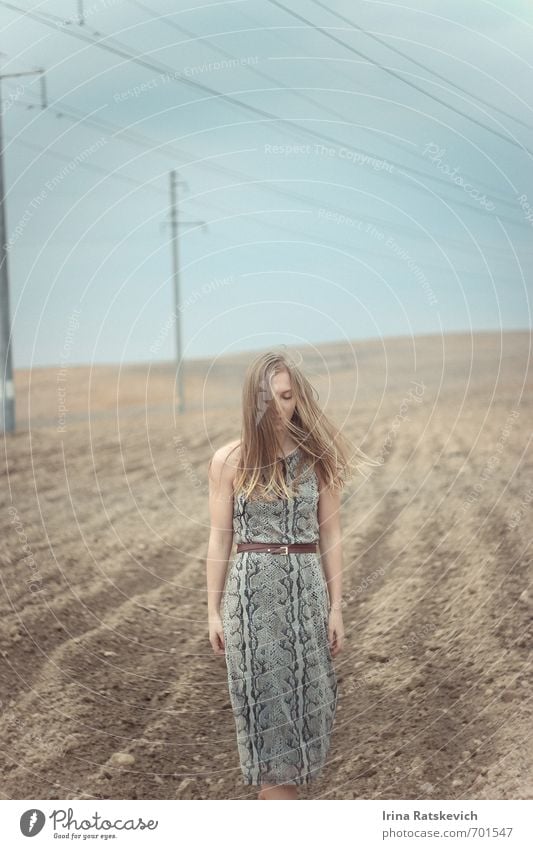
282 682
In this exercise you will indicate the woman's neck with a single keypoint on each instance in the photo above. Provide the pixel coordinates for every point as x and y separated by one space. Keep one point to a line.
286 446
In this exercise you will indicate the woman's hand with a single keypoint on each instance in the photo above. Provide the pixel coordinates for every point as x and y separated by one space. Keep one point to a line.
216 633
335 632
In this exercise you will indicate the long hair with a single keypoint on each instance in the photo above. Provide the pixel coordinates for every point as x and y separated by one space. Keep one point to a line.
260 472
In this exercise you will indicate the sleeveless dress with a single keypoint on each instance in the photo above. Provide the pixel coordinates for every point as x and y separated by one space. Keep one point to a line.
281 679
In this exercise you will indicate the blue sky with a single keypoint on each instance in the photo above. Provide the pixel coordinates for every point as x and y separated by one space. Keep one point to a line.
348 191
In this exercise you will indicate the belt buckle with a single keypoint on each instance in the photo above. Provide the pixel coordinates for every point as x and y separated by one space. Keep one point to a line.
283 549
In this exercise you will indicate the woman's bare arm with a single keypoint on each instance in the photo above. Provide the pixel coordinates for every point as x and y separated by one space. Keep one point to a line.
221 476
330 542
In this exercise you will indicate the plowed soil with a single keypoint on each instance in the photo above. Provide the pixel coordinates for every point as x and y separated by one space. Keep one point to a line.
103 629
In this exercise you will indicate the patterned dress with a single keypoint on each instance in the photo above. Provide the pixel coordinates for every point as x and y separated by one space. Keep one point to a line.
282 683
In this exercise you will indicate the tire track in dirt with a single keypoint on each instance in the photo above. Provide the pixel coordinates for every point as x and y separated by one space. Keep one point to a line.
376 690
439 676
67 652
79 663
98 603
91 528
70 612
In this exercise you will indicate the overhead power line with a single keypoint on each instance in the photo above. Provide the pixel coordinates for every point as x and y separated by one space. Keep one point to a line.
104 44
167 149
87 166
398 76
424 67
294 92
244 179
349 249
256 72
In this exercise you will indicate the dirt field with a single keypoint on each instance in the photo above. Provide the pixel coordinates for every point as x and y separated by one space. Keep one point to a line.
103 631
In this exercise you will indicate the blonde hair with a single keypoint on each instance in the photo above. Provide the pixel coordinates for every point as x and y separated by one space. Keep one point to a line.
259 471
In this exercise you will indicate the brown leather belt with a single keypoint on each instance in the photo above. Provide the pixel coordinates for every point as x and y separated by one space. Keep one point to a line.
278 548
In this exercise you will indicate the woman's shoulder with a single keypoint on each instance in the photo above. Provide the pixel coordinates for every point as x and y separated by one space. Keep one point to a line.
229 453
223 464
227 456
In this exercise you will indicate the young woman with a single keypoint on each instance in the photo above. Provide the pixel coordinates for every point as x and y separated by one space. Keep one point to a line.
275 492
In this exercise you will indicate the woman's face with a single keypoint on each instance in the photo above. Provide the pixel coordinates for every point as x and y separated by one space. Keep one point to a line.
282 389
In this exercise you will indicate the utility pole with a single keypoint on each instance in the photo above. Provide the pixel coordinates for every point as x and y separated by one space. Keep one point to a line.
174 182
7 386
